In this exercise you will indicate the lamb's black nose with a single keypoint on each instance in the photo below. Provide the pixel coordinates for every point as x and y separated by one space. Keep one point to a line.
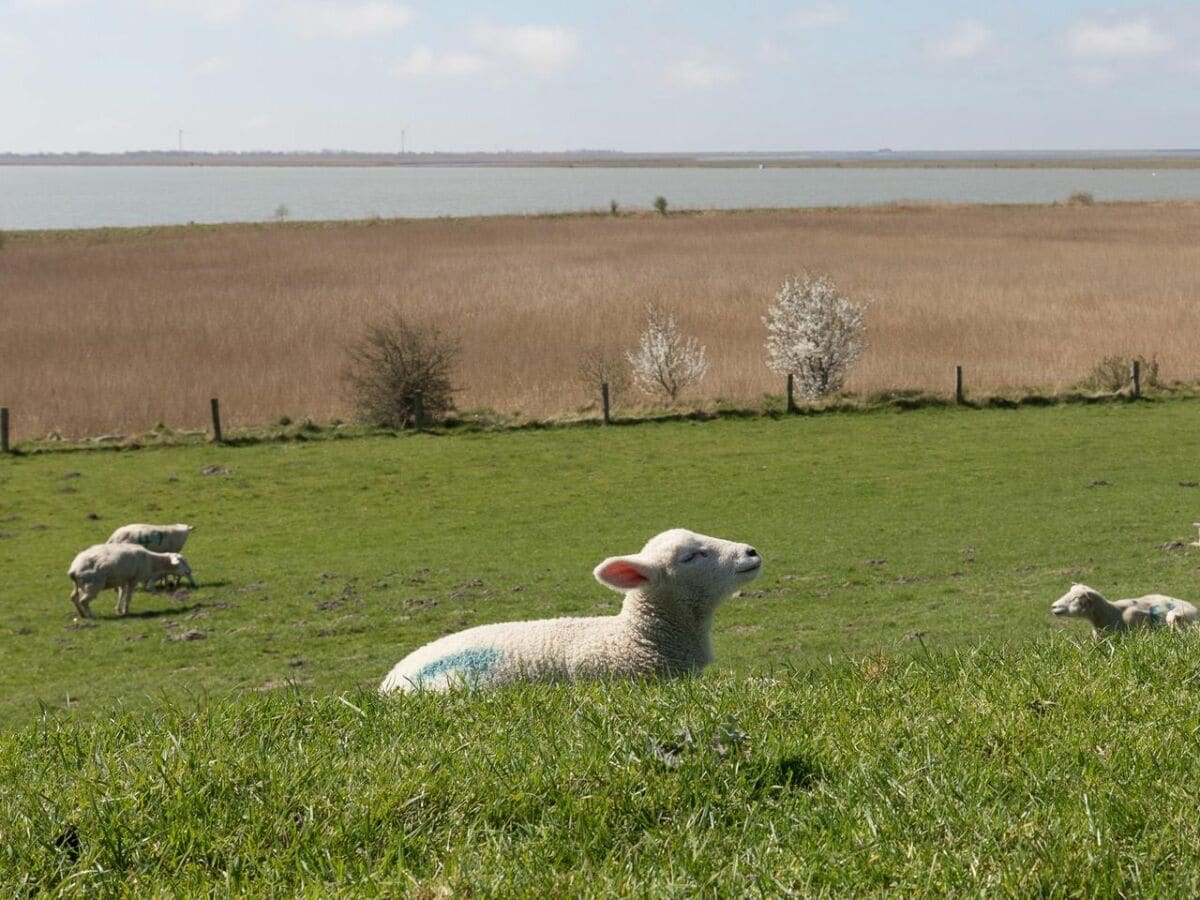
750 551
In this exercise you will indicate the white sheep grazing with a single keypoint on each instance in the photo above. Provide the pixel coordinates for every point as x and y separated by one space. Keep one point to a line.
672 588
1109 616
159 538
119 566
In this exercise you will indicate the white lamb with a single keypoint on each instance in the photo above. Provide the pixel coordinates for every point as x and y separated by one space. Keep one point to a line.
119 566
159 538
672 588
1111 616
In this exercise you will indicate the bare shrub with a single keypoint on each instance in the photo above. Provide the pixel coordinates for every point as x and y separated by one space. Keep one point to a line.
1115 373
597 366
399 373
665 362
660 204
815 333
1081 198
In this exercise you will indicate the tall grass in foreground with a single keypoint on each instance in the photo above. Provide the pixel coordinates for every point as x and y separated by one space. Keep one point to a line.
1057 768
111 331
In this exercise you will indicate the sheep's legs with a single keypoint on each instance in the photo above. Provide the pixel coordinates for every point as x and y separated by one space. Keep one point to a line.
124 595
76 594
84 604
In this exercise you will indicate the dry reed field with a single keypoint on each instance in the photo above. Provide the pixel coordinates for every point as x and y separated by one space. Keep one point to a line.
113 331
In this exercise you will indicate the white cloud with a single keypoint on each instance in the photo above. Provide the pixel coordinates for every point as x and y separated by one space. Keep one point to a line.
348 20
214 65
771 53
1093 76
425 62
11 45
1134 39
819 14
538 49
967 40
209 10
40 4
696 74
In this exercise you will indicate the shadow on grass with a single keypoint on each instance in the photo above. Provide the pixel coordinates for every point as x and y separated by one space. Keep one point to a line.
158 613
167 592
799 771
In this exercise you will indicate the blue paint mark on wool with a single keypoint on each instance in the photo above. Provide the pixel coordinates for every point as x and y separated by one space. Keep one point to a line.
473 663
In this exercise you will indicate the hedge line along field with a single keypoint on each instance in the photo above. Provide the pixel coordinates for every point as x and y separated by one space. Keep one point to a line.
321 563
261 316
1054 768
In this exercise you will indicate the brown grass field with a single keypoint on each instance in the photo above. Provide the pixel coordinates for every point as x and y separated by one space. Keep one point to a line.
112 331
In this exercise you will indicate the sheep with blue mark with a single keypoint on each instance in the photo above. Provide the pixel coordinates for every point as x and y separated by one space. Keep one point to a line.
1109 616
158 538
672 588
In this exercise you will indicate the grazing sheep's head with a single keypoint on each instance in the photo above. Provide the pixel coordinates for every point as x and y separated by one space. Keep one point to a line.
684 566
1078 601
179 565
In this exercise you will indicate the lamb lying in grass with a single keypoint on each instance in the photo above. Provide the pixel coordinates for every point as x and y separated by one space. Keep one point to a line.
119 566
1112 616
159 538
672 588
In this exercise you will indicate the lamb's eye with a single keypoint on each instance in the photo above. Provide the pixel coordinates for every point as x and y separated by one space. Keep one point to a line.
695 554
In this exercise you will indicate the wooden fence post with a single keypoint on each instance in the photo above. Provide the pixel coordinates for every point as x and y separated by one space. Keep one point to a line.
959 396
604 402
1136 377
3 429
791 395
419 410
216 420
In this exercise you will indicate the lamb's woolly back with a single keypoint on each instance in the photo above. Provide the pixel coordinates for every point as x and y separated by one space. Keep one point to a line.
672 588
159 538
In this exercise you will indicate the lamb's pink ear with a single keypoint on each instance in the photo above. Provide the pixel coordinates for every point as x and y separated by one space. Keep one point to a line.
622 573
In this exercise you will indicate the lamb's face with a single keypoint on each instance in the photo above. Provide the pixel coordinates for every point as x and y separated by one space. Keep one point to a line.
1075 602
179 566
685 566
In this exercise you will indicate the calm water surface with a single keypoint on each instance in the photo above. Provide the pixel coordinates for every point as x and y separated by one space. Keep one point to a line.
91 197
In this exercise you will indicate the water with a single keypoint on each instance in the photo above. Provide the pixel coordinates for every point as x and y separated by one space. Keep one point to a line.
90 197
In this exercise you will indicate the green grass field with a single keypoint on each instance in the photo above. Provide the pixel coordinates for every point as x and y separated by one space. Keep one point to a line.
929 726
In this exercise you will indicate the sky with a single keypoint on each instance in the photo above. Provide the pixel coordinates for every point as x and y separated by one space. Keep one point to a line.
636 76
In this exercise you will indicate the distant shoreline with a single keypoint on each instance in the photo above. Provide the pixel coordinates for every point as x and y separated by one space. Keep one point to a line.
883 159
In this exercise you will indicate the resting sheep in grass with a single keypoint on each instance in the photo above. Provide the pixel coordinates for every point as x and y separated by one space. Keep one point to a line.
159 538
672 588
119 566
1112 616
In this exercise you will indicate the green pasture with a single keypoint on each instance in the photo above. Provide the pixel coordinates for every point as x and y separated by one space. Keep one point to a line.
321 563
1053 768
893 710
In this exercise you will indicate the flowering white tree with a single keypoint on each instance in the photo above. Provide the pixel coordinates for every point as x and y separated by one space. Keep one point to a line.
815 333
665 362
